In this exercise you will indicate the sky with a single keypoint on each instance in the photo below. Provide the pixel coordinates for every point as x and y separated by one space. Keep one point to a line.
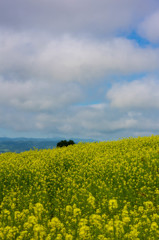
79 68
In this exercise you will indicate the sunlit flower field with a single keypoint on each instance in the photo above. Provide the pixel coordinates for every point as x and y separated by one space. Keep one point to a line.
98 191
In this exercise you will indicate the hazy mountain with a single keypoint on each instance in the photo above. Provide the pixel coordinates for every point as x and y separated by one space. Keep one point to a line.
25 144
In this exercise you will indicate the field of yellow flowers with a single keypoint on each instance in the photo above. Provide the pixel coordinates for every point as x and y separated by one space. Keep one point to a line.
88 191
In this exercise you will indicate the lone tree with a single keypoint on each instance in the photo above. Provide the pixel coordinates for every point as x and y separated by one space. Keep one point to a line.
65 143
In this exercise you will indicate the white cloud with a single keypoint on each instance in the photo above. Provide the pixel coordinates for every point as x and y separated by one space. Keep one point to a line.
57 55
149 28
32 96
97 122
100 123
70 59
88 121
142 94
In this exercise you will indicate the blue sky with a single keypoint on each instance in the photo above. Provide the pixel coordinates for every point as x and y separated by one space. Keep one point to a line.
79 69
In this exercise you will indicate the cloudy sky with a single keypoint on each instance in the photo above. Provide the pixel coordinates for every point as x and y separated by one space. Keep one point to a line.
79 68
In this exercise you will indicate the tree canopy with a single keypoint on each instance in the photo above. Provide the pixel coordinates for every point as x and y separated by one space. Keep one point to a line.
65 143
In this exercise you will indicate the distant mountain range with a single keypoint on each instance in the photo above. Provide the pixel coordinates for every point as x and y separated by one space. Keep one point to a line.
25 144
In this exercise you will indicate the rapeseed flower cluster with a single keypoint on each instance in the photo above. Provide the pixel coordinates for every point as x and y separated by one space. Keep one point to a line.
91 191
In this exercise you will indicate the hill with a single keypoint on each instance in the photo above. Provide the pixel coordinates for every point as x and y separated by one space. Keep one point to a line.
25 144
100 191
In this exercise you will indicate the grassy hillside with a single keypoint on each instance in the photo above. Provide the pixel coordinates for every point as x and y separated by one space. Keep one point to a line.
97 191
